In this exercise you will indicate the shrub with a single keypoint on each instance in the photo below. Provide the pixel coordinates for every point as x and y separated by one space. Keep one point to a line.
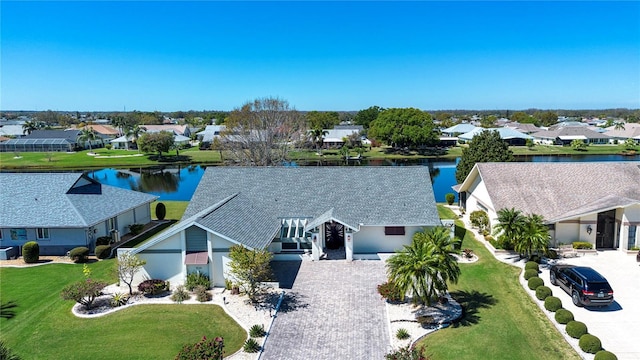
528 274
479 219
390 292
204 349
83 292
532 265
228 284
535 258
103 240
153 286
257 331
402 334
552 303
551 254
450 198
251 346
103 251
202 294
563 316
136 229
534 281
108 146
489 238
180 294
605 355
161 211
590 343
119 299
543 292
31 252
79 254
576 329
582 245
197 279
406 353
468 253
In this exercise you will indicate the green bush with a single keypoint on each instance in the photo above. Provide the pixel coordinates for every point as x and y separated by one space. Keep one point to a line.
534 282
552 303
79 254
161 211
543 292
582 245
535 258
202 294
103 240
83 292
251 346
528 274
605 355
531 265
590 343
196 279
153 286
450 198
108 146
402 334
551 254
390 292
180 294
576 329
136 229
119 299
204 349
103 251
564 316
31 252
257 331
479 219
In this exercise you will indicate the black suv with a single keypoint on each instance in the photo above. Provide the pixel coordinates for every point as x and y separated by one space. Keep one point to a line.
585 285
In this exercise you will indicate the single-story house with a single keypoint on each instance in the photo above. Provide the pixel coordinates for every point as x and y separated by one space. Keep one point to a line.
564 135
510 136
525 128
105 131
294 213
334 138
209 133
596 202
630 131
14 131
183 130
62 211
458 129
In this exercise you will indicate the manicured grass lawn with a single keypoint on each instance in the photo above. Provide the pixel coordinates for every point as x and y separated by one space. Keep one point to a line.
44 327
175 209
500 320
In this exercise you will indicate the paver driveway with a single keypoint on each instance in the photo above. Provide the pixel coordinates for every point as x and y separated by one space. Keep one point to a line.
333 311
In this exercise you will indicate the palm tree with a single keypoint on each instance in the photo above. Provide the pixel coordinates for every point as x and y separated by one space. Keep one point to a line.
534 237
510 225
317 136
134 133
120 122
618 125
424 267
29 126
87 135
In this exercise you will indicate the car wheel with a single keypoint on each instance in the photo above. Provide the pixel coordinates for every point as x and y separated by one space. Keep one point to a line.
575 298
552 278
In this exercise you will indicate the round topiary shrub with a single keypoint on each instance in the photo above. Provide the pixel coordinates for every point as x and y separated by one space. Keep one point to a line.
31 252
542 292
576 329
534 282
605 355
531 265
590 343
552 303
79 254
103 251
450 198
528 274
161 211
563 316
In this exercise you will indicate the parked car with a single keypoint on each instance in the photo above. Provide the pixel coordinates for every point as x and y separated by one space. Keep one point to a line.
585 285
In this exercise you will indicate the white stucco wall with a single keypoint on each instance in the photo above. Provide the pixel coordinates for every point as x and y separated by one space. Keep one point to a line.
219 259
164 261
59 242
371 239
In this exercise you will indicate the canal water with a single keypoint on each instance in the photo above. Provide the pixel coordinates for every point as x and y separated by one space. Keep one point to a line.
179 183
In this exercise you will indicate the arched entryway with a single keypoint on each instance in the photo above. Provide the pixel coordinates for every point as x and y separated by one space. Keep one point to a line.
334 235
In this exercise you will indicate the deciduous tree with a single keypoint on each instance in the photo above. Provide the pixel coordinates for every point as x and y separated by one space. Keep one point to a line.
156 142
487 146
322 119
250 269
366 116
128 266
407 127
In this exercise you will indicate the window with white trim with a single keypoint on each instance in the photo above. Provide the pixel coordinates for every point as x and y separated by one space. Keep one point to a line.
42 233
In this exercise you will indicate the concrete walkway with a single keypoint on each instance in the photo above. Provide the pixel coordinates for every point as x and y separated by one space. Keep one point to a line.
331 312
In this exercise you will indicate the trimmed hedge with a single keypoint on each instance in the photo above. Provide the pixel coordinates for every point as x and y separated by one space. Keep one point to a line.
528 274
576 329
563 316
552 303
103 251
103 240
31 252
543 292
605 355
531 265
534 282
590 343
79 254
582 245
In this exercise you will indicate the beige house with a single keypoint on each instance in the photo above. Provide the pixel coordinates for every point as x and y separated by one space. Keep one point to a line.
596 202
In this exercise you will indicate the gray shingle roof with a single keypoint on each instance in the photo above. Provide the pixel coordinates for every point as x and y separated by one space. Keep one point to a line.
555 189
358 195
42 200
570 131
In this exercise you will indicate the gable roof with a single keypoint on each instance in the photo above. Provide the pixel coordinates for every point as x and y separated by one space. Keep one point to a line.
459 128
356 196
630 131
570 132
62 200
558 190
103 129
71 135
505 133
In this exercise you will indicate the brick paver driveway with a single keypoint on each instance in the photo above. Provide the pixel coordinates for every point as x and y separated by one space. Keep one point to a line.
333 311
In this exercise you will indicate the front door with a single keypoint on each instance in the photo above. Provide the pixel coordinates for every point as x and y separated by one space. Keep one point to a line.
334 235
605 230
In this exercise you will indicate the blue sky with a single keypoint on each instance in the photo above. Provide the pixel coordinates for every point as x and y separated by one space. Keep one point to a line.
170 56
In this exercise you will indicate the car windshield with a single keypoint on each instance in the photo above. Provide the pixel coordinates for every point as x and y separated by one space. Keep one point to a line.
599 286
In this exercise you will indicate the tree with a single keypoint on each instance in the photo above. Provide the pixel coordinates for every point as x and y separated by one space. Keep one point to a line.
578 145
134 132
423 268
156 142
83 292
630 144
249 269
87 135
523 118
534 235
509 226
29 126
618 125
317 136
367 116
546 118
487 146
260 133
404 128
488 121
322 119
128 265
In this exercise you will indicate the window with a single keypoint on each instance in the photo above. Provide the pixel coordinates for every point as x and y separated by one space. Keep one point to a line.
632 236
394 230
112 224
43 234
18 234
551 227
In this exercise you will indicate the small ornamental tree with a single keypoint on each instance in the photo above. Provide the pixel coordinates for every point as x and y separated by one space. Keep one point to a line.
250 268
480 219
83 292
128 266
450 198
204 349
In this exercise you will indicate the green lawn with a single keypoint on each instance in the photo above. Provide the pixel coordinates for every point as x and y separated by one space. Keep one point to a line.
500 320
44 327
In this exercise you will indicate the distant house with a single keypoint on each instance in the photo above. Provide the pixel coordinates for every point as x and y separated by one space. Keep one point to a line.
334 138
183 130
106 131
510 136
209 133
62 211
580 201
564 135
48 140
630 131
295 213
523 128
13 131
458 129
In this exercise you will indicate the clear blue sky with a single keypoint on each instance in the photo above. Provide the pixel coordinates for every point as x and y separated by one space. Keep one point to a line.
170 56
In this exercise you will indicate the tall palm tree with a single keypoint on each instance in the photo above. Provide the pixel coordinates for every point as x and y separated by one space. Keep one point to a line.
534 236
87 135
618 125
424 268
120 122
510 225
29 126
134 132
317 136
